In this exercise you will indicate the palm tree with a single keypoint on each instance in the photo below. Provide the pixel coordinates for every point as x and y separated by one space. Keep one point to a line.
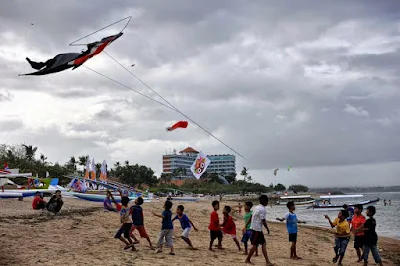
127 163
244 173
43 158
29 152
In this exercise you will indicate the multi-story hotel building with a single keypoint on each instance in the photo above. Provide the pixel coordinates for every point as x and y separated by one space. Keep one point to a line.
223 164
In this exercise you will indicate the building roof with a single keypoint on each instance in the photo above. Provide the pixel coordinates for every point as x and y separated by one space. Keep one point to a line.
189 150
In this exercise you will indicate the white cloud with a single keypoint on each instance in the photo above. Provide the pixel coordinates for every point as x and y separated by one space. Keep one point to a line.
357 111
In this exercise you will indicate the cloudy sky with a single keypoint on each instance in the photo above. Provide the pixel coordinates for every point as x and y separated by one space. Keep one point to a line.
312 84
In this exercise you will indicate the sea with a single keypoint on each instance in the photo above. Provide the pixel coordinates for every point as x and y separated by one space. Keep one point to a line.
387 217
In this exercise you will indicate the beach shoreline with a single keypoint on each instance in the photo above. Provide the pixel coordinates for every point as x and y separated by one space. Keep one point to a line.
83 234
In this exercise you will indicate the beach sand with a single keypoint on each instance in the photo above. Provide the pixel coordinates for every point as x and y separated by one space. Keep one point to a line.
83 234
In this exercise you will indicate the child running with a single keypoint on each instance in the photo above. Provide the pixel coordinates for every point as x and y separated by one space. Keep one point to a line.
257 236
126 224
228 226
167 229
186 224
370 237
138 221
247 227
356 223
214 227
291 225
342 235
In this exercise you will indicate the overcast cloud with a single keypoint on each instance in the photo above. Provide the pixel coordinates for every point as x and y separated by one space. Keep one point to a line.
312 84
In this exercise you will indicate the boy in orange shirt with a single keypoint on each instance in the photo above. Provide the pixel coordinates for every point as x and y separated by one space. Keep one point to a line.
357 222
215 228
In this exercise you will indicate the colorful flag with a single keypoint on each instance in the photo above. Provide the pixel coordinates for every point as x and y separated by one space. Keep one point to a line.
93 170
103 172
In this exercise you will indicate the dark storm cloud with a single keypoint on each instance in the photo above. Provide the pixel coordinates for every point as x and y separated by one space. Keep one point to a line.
301 83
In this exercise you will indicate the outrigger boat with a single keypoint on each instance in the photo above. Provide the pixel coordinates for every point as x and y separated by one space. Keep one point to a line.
300 200
324 203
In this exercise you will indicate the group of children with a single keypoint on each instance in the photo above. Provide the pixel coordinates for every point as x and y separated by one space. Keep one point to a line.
365 239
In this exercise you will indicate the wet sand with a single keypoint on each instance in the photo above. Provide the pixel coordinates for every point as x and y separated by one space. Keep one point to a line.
83 234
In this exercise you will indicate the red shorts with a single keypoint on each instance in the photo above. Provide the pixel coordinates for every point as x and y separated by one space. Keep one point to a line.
141 229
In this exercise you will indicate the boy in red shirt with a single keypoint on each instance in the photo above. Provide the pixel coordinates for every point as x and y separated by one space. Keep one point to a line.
38 203
357 222
215 228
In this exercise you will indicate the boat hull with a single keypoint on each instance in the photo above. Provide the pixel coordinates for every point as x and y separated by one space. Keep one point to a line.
100 197
10 195
340 207
186 199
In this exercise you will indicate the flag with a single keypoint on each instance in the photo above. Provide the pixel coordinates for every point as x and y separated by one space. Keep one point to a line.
93 170
103 172
87 167
47 174
200 165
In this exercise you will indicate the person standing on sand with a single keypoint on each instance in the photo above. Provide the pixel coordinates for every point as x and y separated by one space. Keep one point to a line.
229 227
186 224
257 222
167 228
126 225
291 224
138 221
370 238
214 227
342 235
356 223
247 225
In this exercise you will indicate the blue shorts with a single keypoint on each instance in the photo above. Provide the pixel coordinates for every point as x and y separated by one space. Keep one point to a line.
124 230
246 236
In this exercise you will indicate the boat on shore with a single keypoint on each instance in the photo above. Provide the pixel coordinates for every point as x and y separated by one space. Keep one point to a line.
102 197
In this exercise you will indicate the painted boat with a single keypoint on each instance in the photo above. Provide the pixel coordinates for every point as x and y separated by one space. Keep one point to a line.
10 195
31 192
338 207
101 198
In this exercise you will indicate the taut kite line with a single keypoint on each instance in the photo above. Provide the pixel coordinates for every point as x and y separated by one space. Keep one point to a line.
74 60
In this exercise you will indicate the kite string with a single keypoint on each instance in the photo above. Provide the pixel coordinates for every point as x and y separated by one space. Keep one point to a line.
127 87
130 17
173 107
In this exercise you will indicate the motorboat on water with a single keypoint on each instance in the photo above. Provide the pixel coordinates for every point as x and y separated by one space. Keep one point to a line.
325 202
301 200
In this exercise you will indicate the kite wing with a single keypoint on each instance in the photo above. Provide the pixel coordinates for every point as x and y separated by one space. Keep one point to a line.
64 61
276 171
180 124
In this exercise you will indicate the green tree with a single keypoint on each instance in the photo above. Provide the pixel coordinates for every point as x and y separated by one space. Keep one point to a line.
244 173
279 187
231 178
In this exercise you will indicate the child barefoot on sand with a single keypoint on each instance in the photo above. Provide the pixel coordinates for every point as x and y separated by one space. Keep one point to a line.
186 224
138 221
370 237
229 227
291 224
167 228
356 223
215 228
247 225
342 235
257 222
126 225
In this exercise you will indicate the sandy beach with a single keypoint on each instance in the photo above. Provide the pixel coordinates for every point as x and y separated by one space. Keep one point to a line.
83 234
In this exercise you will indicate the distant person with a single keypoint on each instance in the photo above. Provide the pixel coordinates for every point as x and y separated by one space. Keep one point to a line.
107 203
240 208
356 223
258 220
247 227
126 225
138 221
229 226
167 228
370 238
291 224
390 202
214 227
350 210
55 203
186 224
38 202
342 235
384 202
